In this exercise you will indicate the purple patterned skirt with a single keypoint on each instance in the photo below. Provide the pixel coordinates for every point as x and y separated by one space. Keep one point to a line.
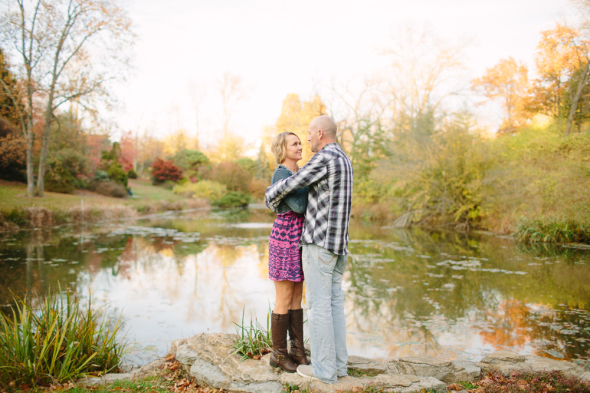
284 254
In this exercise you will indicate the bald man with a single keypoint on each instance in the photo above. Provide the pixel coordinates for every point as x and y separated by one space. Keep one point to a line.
328 176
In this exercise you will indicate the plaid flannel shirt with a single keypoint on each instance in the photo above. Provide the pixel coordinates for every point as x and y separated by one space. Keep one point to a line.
329 177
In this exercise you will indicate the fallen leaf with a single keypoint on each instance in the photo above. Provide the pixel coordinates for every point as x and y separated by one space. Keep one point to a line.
256 357
454 386
169 357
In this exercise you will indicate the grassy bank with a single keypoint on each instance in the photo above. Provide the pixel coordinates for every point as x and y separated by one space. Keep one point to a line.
17 211
533 183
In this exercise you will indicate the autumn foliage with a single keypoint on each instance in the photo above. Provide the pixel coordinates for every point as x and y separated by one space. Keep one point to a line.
165 170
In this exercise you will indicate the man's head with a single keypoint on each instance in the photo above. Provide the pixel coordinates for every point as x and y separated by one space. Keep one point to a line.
322 130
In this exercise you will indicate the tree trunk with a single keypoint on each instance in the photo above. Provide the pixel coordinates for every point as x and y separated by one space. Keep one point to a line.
29 157
576 98
44 146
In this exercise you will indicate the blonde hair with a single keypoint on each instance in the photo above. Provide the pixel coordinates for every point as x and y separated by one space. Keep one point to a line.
279 146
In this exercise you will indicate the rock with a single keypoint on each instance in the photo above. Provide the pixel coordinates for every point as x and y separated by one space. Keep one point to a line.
117 377
428 384
344 384
209 375
185 355
503 357
467 371
149 369
175 344
264 387
507 362
426 366
385 381
90 381
366 365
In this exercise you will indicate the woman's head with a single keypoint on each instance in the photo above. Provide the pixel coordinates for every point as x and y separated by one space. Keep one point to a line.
287 145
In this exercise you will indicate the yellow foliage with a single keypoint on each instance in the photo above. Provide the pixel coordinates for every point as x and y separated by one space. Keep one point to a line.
295 117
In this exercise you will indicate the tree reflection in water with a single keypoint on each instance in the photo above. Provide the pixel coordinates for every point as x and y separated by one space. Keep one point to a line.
406 292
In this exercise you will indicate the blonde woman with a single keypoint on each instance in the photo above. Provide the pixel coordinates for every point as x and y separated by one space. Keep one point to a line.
284 261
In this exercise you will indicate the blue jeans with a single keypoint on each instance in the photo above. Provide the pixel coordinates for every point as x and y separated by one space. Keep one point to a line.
325 311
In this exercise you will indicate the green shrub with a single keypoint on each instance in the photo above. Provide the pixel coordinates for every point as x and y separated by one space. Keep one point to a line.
205 189
233 199
56 340
117 174
59 179
101 176
132 174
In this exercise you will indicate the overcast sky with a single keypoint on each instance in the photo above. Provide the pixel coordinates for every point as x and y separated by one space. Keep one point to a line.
285 47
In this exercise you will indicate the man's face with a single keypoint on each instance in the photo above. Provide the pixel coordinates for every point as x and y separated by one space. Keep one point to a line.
314 138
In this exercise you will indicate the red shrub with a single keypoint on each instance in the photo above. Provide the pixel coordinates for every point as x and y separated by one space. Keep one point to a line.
165 170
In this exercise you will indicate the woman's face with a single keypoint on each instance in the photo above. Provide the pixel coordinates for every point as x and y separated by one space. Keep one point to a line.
294 148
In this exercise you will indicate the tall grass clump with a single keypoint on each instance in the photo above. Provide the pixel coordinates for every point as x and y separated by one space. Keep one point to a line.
253 341
54 340
556 231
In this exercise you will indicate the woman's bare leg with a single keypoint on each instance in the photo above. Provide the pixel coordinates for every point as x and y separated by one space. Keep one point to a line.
297 296
284 290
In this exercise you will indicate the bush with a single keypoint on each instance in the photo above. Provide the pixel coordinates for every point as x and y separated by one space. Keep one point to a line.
56 340
190 161
101 176
165 170
117 174
233 199
59 179
205 189
109 188
231 174
132 174
258 188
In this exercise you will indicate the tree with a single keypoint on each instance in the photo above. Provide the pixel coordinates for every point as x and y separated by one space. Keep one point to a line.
295 117
232 92
424 69
508 81
66 51
562 61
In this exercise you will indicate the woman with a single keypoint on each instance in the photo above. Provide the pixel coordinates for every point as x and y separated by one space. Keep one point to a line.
284 260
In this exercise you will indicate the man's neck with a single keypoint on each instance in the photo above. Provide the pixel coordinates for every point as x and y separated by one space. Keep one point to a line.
325 144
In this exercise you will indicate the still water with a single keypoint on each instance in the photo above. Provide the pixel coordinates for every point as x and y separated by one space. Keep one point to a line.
411 292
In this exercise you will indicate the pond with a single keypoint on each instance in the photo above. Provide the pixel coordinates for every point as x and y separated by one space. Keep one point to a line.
407 292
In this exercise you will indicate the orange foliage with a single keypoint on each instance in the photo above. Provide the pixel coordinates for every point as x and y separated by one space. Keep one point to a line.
508 81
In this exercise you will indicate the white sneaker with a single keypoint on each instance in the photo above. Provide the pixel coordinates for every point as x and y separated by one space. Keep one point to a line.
306 372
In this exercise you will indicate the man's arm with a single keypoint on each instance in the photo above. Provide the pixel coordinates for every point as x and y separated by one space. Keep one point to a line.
312 172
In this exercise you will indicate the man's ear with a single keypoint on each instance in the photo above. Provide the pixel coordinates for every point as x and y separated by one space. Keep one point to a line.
320 134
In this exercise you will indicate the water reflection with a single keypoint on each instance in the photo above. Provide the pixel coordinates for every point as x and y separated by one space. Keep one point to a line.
406 292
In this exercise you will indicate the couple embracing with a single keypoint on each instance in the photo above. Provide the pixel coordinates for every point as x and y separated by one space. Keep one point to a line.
309 240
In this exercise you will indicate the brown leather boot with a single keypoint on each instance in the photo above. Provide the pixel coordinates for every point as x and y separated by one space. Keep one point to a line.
297 351
279 356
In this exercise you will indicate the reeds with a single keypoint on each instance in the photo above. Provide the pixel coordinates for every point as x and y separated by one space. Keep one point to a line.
253 341
54 340
555 231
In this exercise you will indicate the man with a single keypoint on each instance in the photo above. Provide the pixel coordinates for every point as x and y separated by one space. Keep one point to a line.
324 246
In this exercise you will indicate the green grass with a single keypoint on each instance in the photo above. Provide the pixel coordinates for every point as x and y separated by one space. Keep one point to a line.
552 231
145 190
55 340
18 211
253 340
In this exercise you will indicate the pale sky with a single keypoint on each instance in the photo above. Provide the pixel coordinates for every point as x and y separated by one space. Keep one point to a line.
286 47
